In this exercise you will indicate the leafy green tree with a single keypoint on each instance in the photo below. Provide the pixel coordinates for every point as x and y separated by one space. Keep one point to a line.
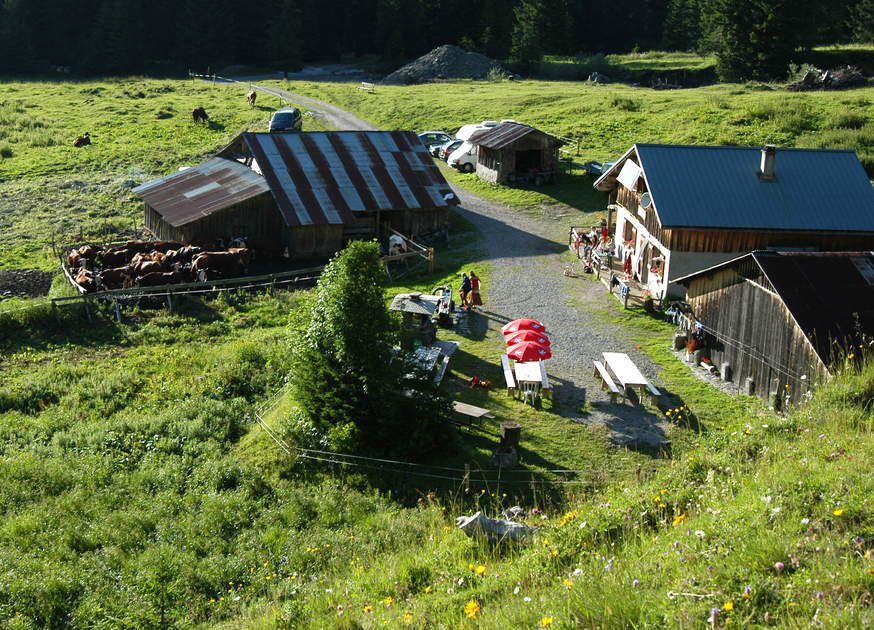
348 377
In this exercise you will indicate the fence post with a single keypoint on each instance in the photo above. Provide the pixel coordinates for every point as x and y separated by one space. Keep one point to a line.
55 311
430 260
467 478
87 310
117 311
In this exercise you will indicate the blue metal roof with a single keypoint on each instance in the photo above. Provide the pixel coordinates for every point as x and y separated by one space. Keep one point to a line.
720 188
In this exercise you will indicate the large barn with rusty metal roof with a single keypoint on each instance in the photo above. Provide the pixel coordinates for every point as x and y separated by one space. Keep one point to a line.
313 192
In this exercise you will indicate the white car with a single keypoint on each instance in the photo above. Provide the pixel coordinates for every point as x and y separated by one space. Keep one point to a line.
464 158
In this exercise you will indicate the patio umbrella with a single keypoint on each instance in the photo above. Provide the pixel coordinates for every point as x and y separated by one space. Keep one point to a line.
522 324
525 351
527 335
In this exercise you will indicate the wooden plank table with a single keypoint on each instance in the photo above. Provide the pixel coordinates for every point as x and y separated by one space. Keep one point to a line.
470 413
628 374
529 378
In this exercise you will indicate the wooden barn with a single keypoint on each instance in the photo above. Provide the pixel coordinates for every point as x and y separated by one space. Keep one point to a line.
507 152
780 320
312 192
680 209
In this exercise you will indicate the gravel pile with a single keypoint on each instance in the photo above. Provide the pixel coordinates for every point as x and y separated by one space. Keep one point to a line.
446 62
24 283
527 280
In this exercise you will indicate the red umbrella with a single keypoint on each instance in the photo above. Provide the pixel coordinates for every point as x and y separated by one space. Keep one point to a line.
522 324
527 335
528 351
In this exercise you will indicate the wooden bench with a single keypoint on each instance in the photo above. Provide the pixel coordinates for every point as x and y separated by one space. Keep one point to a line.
544 381
508 375
441 372
366 86
654 394
606 382
469 414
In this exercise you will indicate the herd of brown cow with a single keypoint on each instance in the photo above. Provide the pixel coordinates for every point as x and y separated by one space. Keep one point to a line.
159 263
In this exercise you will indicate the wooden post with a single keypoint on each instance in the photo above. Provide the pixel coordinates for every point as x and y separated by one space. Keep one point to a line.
87 310
467 478
169 301
510 434
430 260
55 311
117 311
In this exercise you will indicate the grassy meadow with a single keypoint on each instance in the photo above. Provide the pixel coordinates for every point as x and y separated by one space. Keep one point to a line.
138 491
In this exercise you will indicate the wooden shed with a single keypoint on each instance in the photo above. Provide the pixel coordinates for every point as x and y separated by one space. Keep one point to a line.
313 192
508 151
781 320
680 209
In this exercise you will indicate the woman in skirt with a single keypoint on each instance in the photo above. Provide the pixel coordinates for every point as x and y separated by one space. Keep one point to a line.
475 299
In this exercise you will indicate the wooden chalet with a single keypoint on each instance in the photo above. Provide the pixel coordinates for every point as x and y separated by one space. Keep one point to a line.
781 321
312 192
507 152
680 209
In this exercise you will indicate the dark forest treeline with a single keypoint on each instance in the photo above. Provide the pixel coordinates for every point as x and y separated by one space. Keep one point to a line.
752 38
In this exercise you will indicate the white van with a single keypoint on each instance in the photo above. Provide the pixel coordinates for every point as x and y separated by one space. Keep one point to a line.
467 130
464 158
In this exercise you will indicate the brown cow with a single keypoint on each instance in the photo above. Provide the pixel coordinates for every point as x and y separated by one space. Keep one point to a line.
199 115
83 140
250 97
164 246
160 278
144 267
205 262
85 279
112 278
210 243
246 256
116 258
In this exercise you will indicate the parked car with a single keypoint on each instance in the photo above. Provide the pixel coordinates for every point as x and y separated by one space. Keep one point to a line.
285 119
430 138
464 158
445 150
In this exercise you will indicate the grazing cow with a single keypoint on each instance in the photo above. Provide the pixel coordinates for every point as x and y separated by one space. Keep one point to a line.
143 267
246 256
164 246
83 140
266 247
205 262
158 279
250 98
74 260
199 115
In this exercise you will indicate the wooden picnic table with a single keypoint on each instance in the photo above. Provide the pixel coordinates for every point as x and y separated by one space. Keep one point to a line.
530 378
629 375
470 414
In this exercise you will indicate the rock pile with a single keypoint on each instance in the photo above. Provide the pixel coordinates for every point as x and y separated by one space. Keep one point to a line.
24 283
446 62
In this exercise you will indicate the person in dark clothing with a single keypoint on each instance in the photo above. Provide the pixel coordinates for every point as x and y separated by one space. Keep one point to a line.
465 289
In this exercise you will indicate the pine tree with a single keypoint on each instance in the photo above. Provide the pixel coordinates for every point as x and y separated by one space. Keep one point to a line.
284 43
527 49
682 26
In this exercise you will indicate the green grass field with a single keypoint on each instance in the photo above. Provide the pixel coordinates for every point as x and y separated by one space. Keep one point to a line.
138 492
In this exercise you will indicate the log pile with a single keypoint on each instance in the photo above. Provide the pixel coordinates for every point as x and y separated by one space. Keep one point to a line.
840 79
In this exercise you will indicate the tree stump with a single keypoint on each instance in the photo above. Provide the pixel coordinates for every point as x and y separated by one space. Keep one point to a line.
510 433
504 457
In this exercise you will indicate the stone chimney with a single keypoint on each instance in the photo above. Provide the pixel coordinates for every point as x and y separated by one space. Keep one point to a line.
769 156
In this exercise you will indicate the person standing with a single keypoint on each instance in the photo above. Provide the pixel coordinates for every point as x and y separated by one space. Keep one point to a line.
465 289
475 299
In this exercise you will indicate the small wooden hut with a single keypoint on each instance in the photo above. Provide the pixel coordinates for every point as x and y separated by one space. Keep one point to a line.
779 321
511 150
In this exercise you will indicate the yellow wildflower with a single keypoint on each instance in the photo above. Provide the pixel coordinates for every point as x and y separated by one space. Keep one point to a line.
471 609
388 601
568 583
680 519
368 608
728 605
408 617
838 512
553 553
480 570
546 621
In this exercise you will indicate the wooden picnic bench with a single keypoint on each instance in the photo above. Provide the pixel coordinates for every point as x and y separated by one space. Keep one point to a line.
508 375
469 414
629 375
606 381
366 86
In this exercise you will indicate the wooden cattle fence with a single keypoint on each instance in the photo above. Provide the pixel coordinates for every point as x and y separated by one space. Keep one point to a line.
414 250
269 282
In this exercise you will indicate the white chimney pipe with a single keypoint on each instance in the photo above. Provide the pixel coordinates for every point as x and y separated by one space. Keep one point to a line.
769 156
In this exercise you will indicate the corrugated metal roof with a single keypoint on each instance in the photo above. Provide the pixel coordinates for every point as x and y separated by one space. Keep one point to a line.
323 178
201 190
720 188
504 134
830 295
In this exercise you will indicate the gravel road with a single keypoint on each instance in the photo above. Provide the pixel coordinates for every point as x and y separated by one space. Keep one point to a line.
527 280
